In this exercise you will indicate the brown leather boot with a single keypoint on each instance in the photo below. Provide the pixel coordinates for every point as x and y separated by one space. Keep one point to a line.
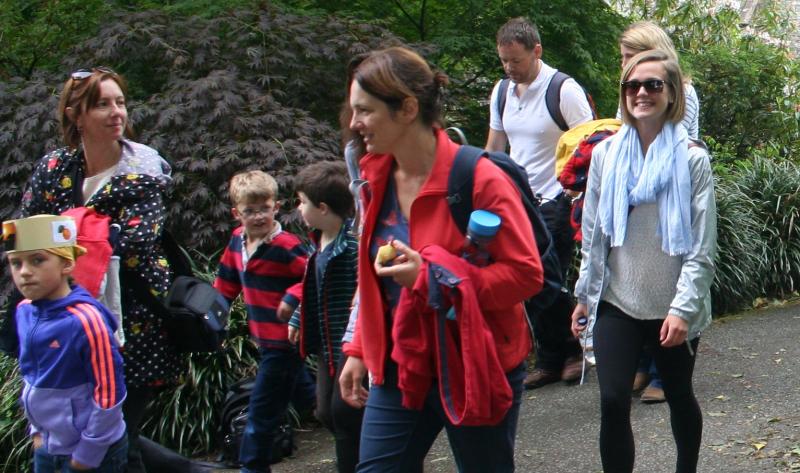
653 395
540 377
572 369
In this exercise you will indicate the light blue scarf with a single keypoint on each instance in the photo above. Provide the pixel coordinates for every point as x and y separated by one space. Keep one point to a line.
662 176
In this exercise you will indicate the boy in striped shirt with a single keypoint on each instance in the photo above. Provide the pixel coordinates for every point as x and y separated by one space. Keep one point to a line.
265 264
73 385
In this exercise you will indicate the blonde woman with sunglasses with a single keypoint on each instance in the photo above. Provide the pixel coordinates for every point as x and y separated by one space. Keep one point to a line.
637 37
101 167
645 35
649 240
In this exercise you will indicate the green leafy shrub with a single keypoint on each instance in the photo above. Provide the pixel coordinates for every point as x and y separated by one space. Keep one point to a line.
742 257
754 91
773 186
14 441
188 414
579 38
36 35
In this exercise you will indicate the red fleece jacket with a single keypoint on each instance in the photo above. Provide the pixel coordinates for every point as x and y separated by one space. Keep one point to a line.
93 231
501 286
460 353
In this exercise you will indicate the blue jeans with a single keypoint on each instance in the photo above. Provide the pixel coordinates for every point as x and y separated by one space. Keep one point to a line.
648 365
115 461
396 439
274 388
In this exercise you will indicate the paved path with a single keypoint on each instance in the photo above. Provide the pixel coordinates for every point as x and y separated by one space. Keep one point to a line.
747 380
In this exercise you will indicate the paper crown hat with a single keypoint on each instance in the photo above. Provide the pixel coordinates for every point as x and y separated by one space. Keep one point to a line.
40 232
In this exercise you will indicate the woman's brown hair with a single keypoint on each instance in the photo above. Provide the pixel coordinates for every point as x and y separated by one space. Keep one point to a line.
82 94
392 75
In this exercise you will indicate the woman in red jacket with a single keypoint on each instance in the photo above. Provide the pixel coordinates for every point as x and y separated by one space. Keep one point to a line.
394 106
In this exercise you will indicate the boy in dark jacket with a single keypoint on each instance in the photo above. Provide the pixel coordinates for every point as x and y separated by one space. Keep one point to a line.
73 385
265 264
328 289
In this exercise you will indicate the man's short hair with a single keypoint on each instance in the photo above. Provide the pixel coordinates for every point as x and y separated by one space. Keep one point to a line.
327 181
521 30
249 186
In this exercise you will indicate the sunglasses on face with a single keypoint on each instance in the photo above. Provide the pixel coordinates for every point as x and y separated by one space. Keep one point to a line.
652 86
81 74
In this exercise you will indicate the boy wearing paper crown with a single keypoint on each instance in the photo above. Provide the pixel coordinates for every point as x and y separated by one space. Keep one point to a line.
69 360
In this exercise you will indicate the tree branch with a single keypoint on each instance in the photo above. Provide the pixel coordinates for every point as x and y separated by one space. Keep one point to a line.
408 16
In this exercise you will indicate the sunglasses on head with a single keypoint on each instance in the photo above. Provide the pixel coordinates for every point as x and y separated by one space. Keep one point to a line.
81 74
631 87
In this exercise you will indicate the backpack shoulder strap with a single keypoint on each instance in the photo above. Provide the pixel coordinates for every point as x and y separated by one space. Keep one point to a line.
552 99
460 183
502 93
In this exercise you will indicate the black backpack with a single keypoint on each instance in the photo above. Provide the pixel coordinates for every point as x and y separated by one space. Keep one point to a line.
552 99
234 420
195 314
460 183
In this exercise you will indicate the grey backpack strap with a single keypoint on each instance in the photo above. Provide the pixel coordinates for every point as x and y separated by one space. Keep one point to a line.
552 98
502 92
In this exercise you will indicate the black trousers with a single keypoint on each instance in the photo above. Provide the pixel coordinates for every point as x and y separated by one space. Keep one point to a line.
144 455
343 420
618 342
133 409
551 327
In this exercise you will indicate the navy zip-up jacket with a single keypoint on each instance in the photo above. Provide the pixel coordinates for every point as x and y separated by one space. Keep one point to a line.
323 315
72 371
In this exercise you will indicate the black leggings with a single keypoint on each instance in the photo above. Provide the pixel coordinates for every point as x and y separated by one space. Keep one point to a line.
618 343
343 420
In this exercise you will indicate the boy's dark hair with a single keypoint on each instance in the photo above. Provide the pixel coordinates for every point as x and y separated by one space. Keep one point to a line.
327 181
521 30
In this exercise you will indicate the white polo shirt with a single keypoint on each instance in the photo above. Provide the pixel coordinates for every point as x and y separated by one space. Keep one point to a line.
532 133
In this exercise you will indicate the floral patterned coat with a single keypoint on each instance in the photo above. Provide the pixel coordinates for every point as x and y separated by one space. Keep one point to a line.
133 198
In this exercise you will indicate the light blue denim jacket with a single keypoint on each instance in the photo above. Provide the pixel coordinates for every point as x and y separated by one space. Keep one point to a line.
692 301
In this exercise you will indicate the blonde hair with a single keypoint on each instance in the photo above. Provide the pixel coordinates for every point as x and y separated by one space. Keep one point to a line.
674 80
249 186
644 35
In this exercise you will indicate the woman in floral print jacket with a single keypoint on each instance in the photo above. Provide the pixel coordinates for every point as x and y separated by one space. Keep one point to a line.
124 180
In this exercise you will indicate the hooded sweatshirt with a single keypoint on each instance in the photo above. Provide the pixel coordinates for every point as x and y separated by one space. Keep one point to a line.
72 370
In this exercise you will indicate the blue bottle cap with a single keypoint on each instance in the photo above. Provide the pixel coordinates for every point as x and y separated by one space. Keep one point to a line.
483 224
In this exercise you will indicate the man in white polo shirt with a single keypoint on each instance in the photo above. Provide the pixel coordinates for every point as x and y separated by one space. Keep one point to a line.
520 116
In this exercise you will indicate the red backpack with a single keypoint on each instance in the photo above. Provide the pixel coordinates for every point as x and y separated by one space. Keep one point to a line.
576 172
93 234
